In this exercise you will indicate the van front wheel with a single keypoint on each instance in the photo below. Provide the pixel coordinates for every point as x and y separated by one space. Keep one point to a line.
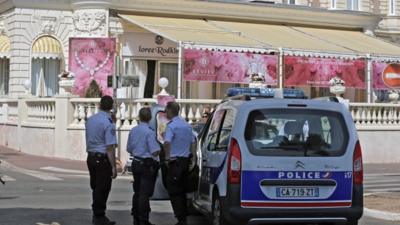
217 215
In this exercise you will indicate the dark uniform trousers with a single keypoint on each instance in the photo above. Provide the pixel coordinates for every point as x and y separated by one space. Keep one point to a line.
144 175
100 181
176 184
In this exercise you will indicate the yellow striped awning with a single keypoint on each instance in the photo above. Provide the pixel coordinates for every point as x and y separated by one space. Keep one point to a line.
4 46
47 47
294 40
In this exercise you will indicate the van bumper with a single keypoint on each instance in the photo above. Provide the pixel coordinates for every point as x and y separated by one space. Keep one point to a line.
234 213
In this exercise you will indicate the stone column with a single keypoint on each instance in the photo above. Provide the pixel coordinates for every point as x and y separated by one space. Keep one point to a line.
64 116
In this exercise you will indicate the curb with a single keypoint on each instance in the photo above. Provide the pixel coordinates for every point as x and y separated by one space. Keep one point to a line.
382 215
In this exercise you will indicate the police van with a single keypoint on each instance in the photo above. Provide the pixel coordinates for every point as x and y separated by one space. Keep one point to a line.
279 160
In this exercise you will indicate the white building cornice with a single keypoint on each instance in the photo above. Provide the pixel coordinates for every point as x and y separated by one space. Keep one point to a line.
213 10
91 4
251 13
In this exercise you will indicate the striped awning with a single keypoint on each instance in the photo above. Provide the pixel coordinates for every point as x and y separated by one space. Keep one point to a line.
4 46
47 47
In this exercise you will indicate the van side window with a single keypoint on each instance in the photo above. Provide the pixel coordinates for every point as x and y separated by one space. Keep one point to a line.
225 133
211 135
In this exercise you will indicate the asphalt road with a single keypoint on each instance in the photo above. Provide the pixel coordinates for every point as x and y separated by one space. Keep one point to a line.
27 200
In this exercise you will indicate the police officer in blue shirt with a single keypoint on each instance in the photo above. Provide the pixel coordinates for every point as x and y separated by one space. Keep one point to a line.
143 146
178 139
100 145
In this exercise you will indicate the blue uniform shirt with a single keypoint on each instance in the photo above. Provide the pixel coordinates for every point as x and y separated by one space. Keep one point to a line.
100 132
142 141
180 136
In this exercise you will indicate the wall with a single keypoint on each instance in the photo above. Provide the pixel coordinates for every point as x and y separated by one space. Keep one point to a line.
380 146
23 27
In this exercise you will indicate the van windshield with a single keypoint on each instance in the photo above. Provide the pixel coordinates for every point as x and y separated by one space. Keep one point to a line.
296 132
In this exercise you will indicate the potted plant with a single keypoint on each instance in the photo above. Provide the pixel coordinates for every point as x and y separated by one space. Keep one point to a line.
257 80
393 95
66 82
337 86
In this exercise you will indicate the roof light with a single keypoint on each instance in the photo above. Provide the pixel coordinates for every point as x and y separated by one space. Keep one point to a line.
266 92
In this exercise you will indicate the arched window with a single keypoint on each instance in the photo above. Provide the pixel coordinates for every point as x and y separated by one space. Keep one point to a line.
46 66
4 64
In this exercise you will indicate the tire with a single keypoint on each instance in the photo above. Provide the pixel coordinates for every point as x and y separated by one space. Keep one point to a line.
217 215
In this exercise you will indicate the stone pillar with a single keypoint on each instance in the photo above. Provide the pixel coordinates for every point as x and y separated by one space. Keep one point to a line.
22 116
64 117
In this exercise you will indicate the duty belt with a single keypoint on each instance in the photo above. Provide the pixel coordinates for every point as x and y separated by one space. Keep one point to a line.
97 154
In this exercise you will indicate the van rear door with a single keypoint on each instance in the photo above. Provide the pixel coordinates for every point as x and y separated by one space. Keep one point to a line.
296 158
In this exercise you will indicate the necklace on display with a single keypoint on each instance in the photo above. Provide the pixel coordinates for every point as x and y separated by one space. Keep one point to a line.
92 71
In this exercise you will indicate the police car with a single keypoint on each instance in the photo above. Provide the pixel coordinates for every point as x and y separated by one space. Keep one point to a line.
288 160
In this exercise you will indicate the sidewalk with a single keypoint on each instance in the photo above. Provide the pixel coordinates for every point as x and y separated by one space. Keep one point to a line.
31 162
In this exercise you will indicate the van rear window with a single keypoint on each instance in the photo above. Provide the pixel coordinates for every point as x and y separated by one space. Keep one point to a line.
296 132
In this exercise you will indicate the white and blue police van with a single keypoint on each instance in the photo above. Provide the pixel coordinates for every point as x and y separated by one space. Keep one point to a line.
279 160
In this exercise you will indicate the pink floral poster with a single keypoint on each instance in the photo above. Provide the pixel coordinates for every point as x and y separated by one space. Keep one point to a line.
228 67
304 71
377 72
91 59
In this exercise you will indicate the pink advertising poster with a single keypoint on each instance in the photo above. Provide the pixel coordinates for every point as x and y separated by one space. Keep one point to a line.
316 72
377 72
91 59
228 67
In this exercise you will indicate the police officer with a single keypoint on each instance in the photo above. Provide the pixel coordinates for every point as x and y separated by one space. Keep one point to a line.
143 146
177 142
100 145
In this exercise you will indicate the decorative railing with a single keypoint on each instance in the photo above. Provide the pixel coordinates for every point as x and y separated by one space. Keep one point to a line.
83 108
40 111
376 116
127 110
36 111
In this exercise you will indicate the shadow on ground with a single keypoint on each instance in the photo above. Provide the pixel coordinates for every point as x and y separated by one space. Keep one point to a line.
27 216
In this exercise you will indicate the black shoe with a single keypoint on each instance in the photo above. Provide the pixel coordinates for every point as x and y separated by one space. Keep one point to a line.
136 221
183 222
102 221
145 223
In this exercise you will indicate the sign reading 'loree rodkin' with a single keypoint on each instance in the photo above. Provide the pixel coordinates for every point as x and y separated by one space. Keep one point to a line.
147 45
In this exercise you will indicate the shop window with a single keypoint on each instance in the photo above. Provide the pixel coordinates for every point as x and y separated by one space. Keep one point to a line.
170 71
353 5
333 4
4 76
292 2
45 76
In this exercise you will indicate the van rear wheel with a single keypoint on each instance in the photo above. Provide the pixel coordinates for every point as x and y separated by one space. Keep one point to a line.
217 215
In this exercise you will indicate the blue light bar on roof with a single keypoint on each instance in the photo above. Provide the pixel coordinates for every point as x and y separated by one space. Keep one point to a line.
265 92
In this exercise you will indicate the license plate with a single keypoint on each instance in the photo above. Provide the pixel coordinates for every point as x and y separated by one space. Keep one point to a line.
297 192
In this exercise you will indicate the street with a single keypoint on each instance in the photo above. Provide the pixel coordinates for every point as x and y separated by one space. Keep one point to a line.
64 198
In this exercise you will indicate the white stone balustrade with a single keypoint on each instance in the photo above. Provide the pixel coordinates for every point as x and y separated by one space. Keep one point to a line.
192 109
83 108
376 116
41 111
57 125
